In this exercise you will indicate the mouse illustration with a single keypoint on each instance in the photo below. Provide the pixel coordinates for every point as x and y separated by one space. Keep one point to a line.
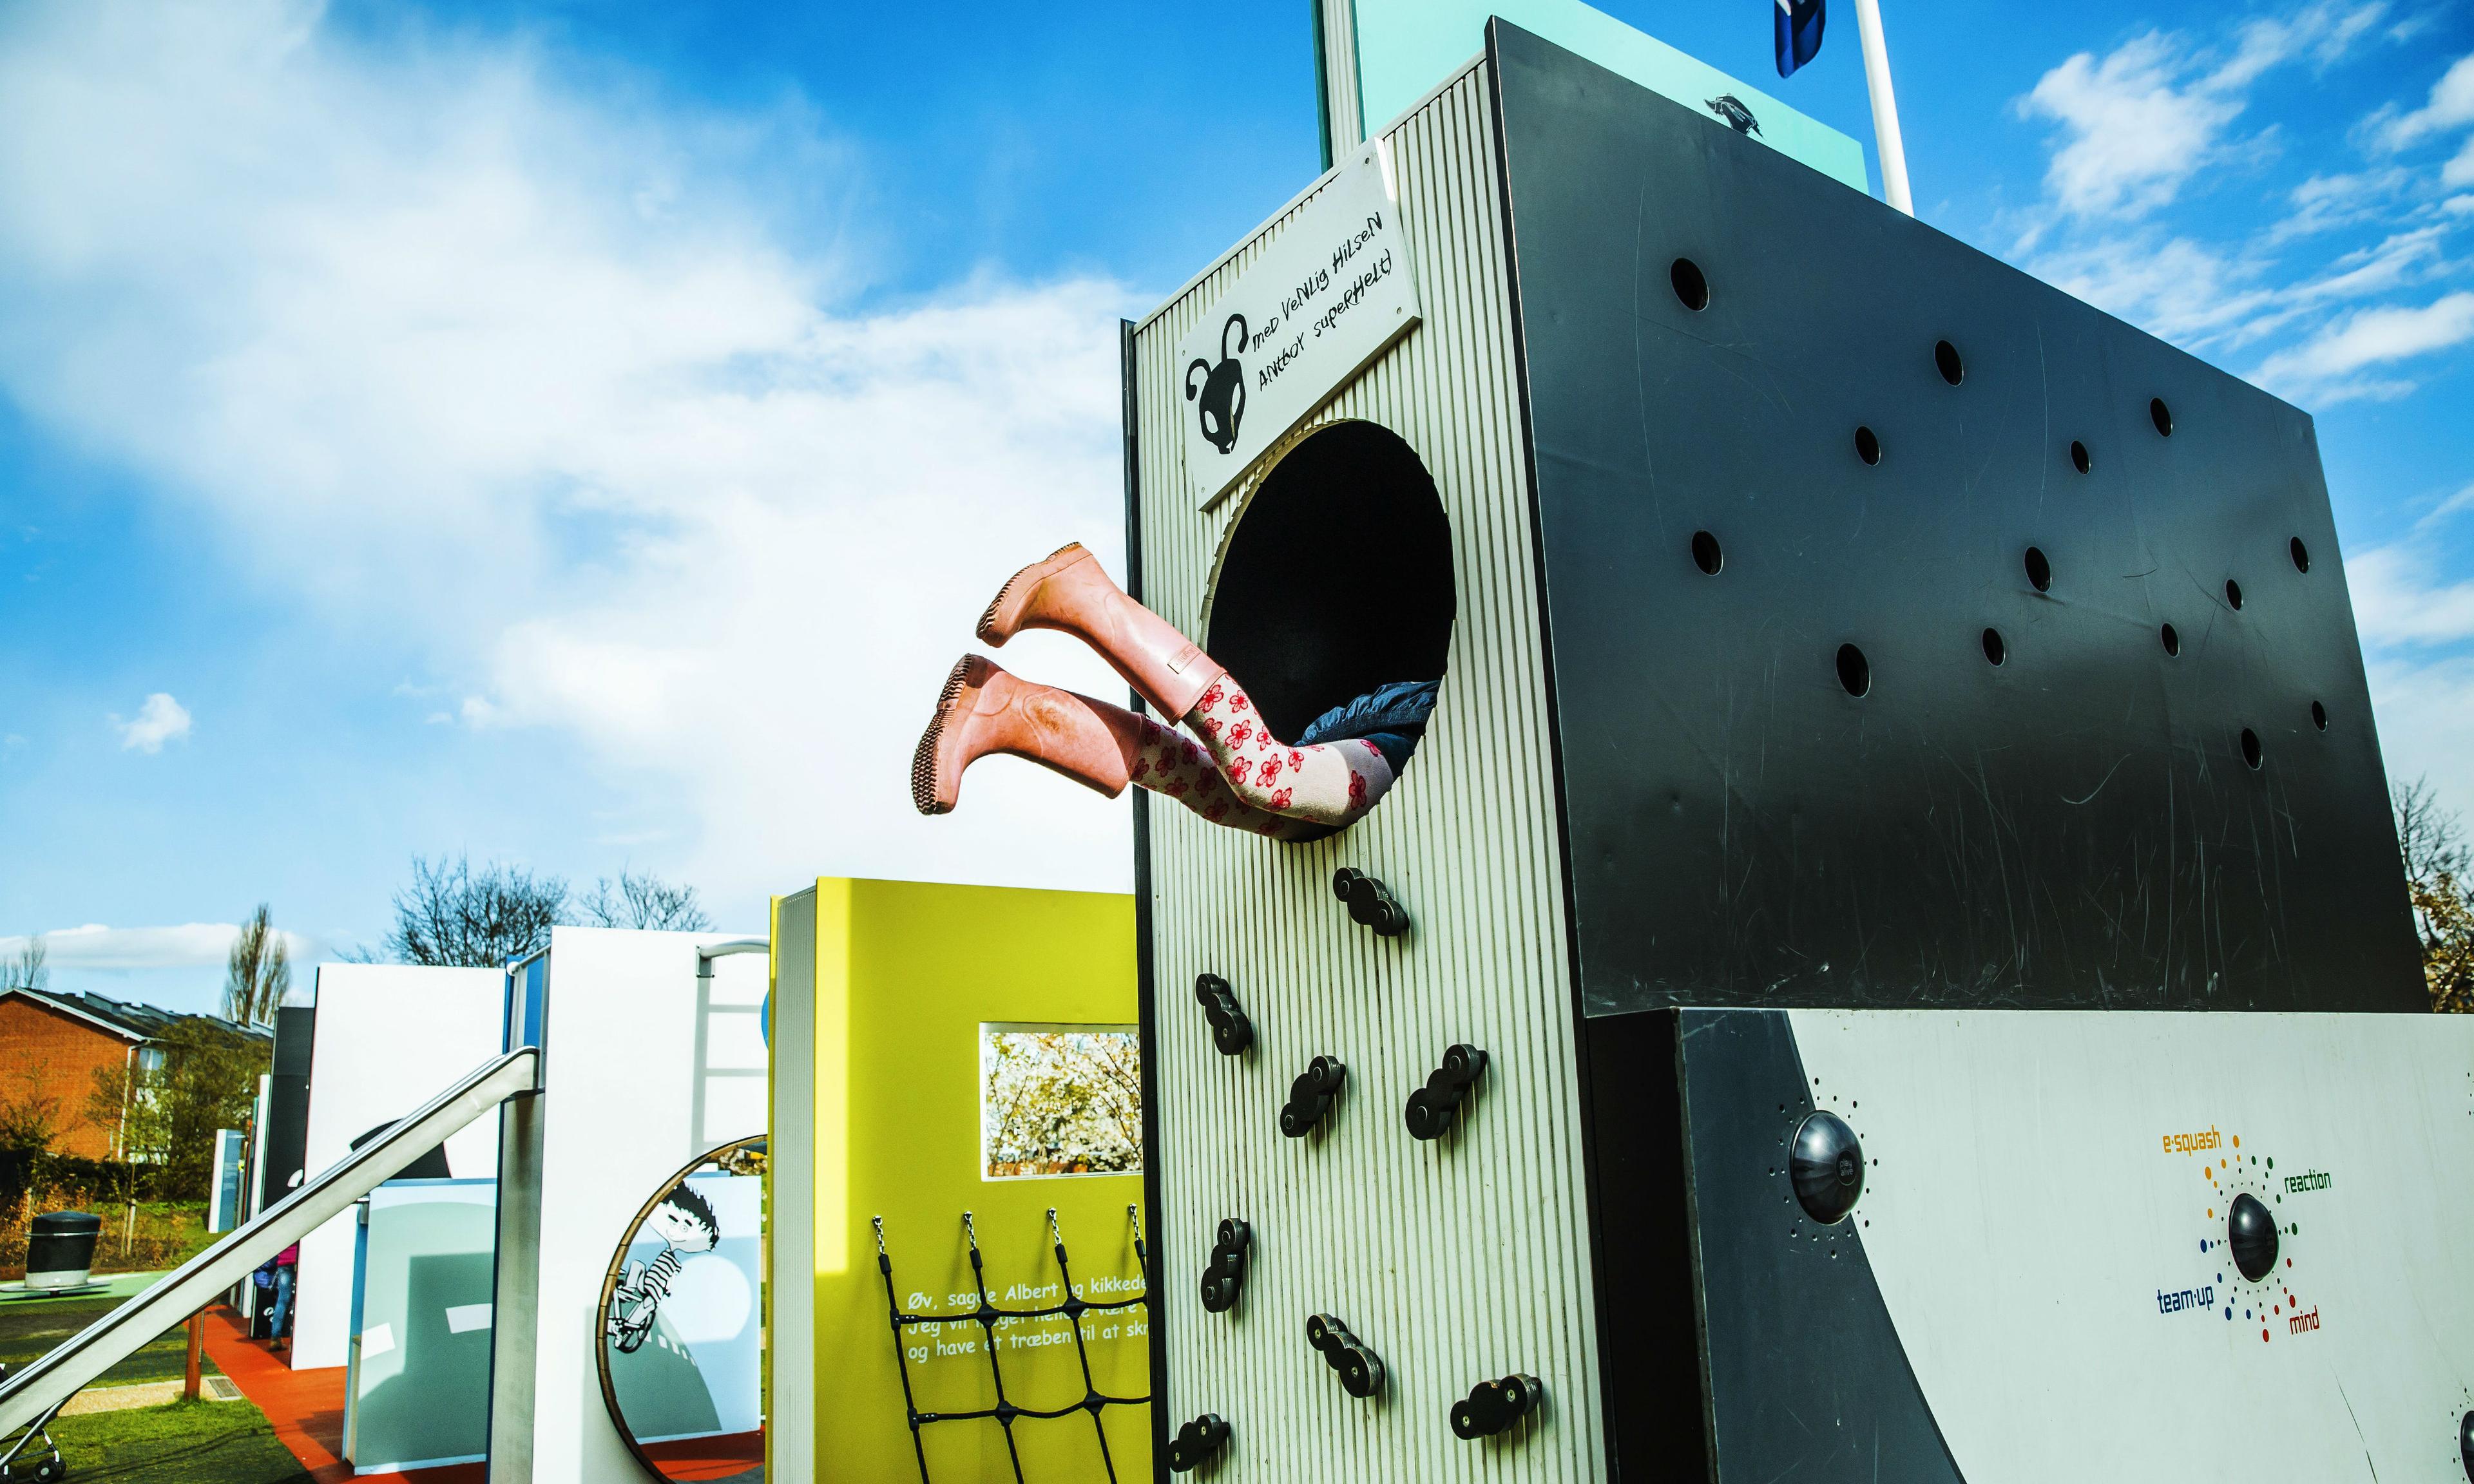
1222 397
1730 108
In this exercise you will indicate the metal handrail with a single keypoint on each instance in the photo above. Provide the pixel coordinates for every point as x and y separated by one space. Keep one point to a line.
28 1398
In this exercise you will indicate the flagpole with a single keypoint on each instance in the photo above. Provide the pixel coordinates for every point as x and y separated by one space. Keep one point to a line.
1885 107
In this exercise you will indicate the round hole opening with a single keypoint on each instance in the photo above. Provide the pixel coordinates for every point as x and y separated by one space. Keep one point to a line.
2233 592
1995 650
1706 554
1867 446
2318 716
1855 672
2161 416
2040 571
1946 361
2173 641
2300 553
1305 637
2250 747
2080 459
1690 286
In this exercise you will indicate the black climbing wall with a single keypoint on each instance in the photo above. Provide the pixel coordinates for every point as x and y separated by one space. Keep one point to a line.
2092 822
287 1102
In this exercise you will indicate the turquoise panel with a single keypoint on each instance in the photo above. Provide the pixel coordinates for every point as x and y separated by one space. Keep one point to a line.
1406 47
420 1385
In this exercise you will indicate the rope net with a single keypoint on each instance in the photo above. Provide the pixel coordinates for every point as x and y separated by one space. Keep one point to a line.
988 1316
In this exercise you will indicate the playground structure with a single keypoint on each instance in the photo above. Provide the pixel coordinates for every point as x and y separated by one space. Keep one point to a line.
1892 946
1890 960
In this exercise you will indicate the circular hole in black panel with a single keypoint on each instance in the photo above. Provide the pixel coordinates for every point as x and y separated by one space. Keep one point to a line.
2080 459
1855 672
1946 361
2251 754
2161 416
1690 286
2300 553
1994 649
2039 570
2233 592
2172 640
1304 633
2318 716
1867 446
1706 554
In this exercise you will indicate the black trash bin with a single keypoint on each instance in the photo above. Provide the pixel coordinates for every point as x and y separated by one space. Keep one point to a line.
59 1249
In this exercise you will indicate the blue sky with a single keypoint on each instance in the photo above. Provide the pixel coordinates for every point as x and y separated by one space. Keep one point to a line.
581 435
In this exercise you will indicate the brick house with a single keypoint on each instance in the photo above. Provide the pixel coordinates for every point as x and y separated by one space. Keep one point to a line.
52 1044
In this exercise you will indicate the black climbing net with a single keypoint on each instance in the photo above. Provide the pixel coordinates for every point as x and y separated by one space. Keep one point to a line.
988 1316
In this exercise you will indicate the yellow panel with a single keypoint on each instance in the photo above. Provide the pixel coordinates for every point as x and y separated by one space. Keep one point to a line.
905 974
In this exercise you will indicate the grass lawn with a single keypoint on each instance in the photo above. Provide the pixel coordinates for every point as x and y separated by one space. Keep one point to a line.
194 1441
30 1328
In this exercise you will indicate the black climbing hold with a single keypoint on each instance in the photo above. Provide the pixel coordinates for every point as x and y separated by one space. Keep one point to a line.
1196 1443
2251 1233
1493 1408
1827 1165
1225 1276
2465 1445
1370 902
1433 1107
1310 1096
1230 1031
1361 1370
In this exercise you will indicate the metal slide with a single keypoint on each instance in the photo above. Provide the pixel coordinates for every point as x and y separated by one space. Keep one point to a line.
29 1399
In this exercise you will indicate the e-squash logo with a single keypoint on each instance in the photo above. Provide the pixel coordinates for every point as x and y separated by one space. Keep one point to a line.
1220 401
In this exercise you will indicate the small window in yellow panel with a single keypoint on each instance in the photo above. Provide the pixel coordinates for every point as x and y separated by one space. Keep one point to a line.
959 1064
1059 1100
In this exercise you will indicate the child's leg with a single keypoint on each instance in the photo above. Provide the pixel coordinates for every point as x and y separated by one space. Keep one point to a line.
1331 784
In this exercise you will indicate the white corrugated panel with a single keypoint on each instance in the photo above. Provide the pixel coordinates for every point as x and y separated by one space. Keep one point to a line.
1463 1259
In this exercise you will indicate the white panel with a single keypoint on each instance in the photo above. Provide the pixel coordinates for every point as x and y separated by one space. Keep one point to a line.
1456 1262
620 1087
2037 1218
390 1036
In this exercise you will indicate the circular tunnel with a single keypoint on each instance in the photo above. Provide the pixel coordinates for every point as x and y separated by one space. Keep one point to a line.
1337 578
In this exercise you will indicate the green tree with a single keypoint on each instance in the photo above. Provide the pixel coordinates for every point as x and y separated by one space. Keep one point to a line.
2440 883
257 973
195 1078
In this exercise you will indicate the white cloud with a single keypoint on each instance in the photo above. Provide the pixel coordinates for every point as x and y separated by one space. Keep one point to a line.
2451 103
2153 112
190 946
2460 170
161 720
472 363
2455 505
2399 601
2325 202
2325 365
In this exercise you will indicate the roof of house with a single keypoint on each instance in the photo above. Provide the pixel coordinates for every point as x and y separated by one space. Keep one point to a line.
128 1021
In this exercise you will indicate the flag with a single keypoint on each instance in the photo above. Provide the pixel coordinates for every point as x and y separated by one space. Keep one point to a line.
1798 33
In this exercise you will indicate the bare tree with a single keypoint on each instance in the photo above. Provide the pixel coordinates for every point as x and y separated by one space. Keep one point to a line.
29 971
2441 885
258 971
453 915
644 901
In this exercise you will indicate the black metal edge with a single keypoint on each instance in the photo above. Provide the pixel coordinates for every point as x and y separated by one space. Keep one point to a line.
1147 1029
1644 1356
1693 1247
1589 1174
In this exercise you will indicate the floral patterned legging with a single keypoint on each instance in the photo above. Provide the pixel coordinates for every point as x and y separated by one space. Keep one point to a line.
1243 777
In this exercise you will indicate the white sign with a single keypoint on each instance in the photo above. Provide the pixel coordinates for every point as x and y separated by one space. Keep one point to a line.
1331 293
